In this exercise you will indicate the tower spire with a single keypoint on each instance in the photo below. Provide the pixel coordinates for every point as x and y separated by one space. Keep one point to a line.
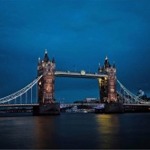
99 67
106 63
39 60
53 60
45 51
46 58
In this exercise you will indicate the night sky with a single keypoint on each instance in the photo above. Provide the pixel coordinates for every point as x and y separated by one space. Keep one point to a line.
79 34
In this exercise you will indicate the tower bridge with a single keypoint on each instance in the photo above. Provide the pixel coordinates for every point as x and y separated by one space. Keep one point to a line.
112 92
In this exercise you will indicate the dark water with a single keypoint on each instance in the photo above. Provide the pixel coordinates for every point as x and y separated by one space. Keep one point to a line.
86 131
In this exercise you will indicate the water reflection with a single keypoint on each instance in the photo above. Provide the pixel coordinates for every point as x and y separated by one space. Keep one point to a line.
44 132
108 128
76 131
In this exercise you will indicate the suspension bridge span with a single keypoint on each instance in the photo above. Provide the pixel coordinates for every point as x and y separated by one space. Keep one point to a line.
39 94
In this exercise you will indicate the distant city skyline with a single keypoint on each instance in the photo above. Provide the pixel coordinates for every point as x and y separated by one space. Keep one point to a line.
79 34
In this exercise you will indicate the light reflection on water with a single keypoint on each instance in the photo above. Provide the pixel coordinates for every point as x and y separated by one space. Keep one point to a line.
124 131
108 128
78 131
44 132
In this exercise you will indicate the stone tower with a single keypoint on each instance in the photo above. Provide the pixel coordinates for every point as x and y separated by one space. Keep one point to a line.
107 85
46 67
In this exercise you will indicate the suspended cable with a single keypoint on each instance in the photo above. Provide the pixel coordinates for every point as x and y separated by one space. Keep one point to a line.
130 96
20 92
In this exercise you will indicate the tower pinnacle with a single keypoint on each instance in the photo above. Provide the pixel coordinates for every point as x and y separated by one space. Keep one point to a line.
53 60
45 51
46 58
106 58
39 60
106 63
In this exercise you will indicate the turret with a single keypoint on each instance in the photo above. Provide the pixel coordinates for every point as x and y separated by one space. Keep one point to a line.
39 61
53 60
99 68
46 58
106 63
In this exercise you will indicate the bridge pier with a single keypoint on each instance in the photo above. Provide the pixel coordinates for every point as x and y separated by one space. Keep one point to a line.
47 109
114 108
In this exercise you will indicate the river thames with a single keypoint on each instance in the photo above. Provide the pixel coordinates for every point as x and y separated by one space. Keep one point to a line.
76 131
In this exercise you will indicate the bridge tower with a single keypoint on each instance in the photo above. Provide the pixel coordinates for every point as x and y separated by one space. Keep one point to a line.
46 84
107 85
47 104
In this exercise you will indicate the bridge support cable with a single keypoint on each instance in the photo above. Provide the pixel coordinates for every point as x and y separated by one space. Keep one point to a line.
20 92
31 95
26 98
20 99
128 96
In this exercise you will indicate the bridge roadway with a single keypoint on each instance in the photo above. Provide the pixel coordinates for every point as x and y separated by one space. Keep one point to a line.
18 105
69 104
147 104
61 105
96 104
81 74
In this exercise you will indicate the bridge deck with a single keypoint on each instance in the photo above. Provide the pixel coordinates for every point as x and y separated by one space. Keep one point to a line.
18 105
79 75
97 104
68 105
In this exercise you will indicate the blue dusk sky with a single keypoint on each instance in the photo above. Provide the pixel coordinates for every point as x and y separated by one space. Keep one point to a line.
79 34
